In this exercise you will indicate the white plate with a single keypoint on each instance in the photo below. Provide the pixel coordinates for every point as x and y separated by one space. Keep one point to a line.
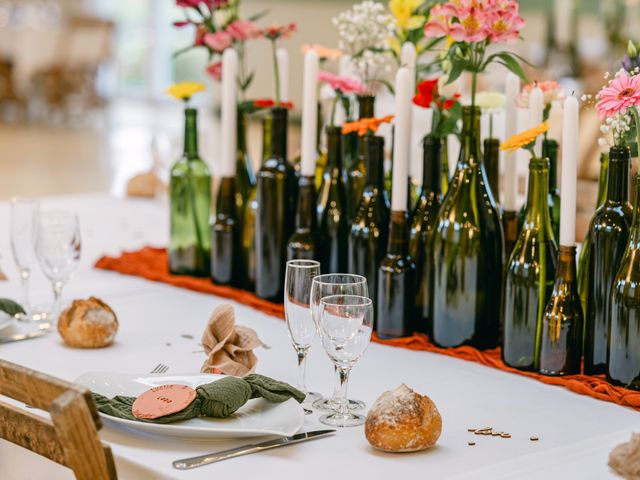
257 417
5 320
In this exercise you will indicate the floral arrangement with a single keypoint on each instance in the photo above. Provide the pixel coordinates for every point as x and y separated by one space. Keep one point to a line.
342 86
273 34
525 140
410 18
446 110
617 104
366 126
363 31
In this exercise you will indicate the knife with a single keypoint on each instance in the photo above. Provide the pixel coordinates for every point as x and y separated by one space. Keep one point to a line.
193 462
22 336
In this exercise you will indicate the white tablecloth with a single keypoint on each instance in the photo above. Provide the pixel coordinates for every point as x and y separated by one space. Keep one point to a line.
576 432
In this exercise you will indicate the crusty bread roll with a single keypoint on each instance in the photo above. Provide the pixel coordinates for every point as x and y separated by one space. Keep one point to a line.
402 420
88 324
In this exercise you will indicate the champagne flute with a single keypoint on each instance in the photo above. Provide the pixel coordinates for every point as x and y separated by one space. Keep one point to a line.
57 249
297 284
346 324
324 286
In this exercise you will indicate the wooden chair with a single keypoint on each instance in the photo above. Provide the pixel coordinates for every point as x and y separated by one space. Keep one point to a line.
69 437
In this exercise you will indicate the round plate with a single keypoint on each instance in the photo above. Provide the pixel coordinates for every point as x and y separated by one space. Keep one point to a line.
5 320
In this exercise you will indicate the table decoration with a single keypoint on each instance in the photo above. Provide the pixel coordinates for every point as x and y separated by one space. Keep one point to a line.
490 104
531 269
89 323
624 459
10 307
402 420
229 347
509 206
190 197
410 17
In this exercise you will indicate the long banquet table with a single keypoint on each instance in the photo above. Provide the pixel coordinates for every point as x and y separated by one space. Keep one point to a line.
575 432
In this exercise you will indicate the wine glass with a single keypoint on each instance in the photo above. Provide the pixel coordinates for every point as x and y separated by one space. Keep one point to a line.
324 286
346 323
297 284
57 249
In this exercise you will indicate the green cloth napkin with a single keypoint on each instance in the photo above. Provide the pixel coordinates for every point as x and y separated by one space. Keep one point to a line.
217 399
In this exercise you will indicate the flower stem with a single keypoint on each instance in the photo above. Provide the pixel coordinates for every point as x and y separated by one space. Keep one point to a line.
276 71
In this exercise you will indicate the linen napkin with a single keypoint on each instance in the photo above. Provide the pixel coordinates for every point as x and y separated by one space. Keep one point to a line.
217 399
229 347
625 458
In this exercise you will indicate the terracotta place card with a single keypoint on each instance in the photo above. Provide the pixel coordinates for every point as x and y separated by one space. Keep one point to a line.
163 400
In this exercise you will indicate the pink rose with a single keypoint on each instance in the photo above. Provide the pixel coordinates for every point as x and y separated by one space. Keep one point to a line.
215 71
217 41
242 30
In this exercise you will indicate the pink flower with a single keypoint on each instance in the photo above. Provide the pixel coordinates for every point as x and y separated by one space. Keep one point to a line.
218 41
504 25
275 32
471 25
623 92
215 71
551 91
343 83
242 30
438 24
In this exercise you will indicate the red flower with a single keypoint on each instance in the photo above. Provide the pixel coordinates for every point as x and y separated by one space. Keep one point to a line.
287 105
426 91
268 103
275 32
210 4
448 102
188 3
215 71
201 31
181 24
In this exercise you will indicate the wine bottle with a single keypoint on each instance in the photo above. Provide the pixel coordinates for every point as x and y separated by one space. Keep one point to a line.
444 170
609 230
396 283
331 208
529 274
492 165
370 228
423 221
550 150
322 159
583 259
624 345
276 197
510 228
467 252
245 176
561 341
303 244
356 175
226 266
190 194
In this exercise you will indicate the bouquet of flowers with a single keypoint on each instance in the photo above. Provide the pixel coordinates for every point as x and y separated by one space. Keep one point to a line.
446 109
410 18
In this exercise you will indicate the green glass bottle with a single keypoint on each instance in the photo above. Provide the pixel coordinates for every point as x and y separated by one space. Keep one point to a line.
226 250
623 366
303 244
423 220
276 197
583 259
467 252
396 283
609 230
190 194
561 340
356 174
529 274
332 208
322 159
444 170
492 165
245 177
550 150
370 228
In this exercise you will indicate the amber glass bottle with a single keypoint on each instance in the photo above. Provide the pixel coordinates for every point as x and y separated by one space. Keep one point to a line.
356 174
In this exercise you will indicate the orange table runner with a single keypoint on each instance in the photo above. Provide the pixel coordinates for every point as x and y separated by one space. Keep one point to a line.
151 263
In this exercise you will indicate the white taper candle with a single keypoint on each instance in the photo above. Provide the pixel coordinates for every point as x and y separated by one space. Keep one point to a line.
555 121
229 112
408 60
282 59
569 172
309 113
536 112
401 140
511 128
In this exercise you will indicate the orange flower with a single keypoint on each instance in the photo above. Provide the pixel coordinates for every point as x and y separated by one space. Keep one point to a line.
365 125
523 139
324 53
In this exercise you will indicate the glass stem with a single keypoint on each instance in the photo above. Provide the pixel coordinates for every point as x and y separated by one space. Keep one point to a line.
343 406
24 281
302 356
57 295
336 385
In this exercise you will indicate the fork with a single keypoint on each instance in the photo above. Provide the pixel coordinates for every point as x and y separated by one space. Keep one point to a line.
160 368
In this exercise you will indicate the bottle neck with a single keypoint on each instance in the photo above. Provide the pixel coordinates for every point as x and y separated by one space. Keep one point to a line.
190 133
279 133
306 204
431 165
366 104
266 137
374 157
537 211
602 179
566 263
618 178
398 234
550 150
226 195
319 127
241 131
470 136
334 147
636 202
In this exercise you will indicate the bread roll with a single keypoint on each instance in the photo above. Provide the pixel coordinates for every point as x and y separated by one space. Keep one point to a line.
88 324
402 420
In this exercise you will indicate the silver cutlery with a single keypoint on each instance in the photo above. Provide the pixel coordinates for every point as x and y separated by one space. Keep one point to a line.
160 368
16 337
199 461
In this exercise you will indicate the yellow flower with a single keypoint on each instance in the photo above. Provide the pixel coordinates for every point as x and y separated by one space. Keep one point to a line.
184 90
394 44
522 139
402 10
416 21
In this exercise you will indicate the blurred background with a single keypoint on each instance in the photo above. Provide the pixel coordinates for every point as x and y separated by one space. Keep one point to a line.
82 82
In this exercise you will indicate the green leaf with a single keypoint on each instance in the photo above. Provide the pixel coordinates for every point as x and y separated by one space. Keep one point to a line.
10 307
387 84
257 16
512 64
457 67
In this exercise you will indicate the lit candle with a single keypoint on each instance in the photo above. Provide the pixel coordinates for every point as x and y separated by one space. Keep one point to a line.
309 113
511 128
555 121
569 172
229 113
401 140
536 111
282 59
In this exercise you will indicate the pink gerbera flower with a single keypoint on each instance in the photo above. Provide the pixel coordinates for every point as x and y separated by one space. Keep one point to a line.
623 92
345 84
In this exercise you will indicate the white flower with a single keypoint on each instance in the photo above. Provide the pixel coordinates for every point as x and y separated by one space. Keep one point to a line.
490 100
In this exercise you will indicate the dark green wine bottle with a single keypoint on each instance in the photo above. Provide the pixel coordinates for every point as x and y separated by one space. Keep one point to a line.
226 249
467 252
396 283
190 194
550 150
624 345
510 229
444 170
492 166
245 177
529 274
356 175
583 259
609 230
562 322
332 208
423 221
370 228
303 244
276 197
